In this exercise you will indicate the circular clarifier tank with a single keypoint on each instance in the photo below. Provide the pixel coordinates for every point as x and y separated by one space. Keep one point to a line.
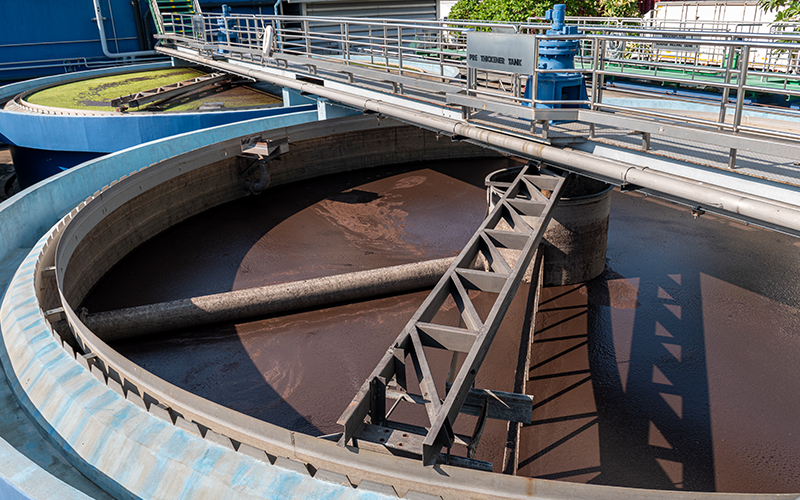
100 94
59 125
672 370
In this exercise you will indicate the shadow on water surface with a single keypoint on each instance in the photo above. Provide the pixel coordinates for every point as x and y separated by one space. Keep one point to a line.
276 369
619 380
651 389
674 369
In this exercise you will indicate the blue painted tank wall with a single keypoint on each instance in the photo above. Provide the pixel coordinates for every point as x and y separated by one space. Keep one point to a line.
104 134
60 35
47 37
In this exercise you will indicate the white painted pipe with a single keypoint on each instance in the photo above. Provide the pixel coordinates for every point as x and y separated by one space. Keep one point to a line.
104 42
733 202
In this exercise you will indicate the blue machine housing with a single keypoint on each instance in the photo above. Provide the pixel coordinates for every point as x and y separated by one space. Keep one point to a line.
226 34
558 55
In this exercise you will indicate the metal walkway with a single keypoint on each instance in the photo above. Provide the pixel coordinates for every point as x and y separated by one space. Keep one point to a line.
709 153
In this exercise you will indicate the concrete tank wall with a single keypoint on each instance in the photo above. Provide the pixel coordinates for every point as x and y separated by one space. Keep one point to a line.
210 177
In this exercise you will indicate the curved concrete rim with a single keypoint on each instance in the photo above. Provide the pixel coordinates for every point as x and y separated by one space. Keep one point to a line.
33 349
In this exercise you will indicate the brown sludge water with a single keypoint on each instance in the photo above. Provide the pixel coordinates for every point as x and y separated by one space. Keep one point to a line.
673 370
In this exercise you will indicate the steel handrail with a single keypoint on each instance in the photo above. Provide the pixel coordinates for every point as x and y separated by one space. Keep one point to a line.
607 52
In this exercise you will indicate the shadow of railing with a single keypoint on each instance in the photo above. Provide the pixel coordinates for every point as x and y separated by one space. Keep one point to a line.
653 416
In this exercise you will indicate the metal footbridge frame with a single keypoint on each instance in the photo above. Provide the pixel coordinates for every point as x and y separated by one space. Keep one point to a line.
494 262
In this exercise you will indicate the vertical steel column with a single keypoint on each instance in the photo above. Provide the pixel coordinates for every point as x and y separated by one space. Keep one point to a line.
723 111
737 117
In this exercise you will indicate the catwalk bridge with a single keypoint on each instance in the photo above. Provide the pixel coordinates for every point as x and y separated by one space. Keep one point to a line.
647 121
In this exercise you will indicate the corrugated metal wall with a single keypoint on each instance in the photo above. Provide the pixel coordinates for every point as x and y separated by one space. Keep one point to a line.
393 9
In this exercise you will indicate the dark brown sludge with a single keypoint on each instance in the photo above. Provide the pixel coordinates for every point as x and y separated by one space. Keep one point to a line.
672 370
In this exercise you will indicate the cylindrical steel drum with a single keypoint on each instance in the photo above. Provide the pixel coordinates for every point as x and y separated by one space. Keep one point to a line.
575 240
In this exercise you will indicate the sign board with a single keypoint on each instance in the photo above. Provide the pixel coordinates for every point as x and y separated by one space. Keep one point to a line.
501 52
199 27
678 45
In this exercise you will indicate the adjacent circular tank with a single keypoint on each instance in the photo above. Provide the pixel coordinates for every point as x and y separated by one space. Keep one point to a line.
60 122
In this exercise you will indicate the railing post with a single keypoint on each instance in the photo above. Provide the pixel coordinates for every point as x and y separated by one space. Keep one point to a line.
371 49
595 63
385 46
534 81
745 59
723 111
347 43
440 44
737 117
400 53
307 36
601 54
472 76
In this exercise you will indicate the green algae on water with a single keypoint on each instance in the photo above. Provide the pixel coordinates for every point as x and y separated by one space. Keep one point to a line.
96 94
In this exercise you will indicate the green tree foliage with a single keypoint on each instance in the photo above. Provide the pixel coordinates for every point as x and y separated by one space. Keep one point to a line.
787 9
521 10
618 8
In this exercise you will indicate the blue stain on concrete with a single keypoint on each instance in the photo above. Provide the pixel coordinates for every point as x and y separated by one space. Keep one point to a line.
35 324
102 401
157 471
47 348
147 428
99 447
203 466
64 409
71 373
174 448
32 325
208 460
124 412
90 383
27 311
